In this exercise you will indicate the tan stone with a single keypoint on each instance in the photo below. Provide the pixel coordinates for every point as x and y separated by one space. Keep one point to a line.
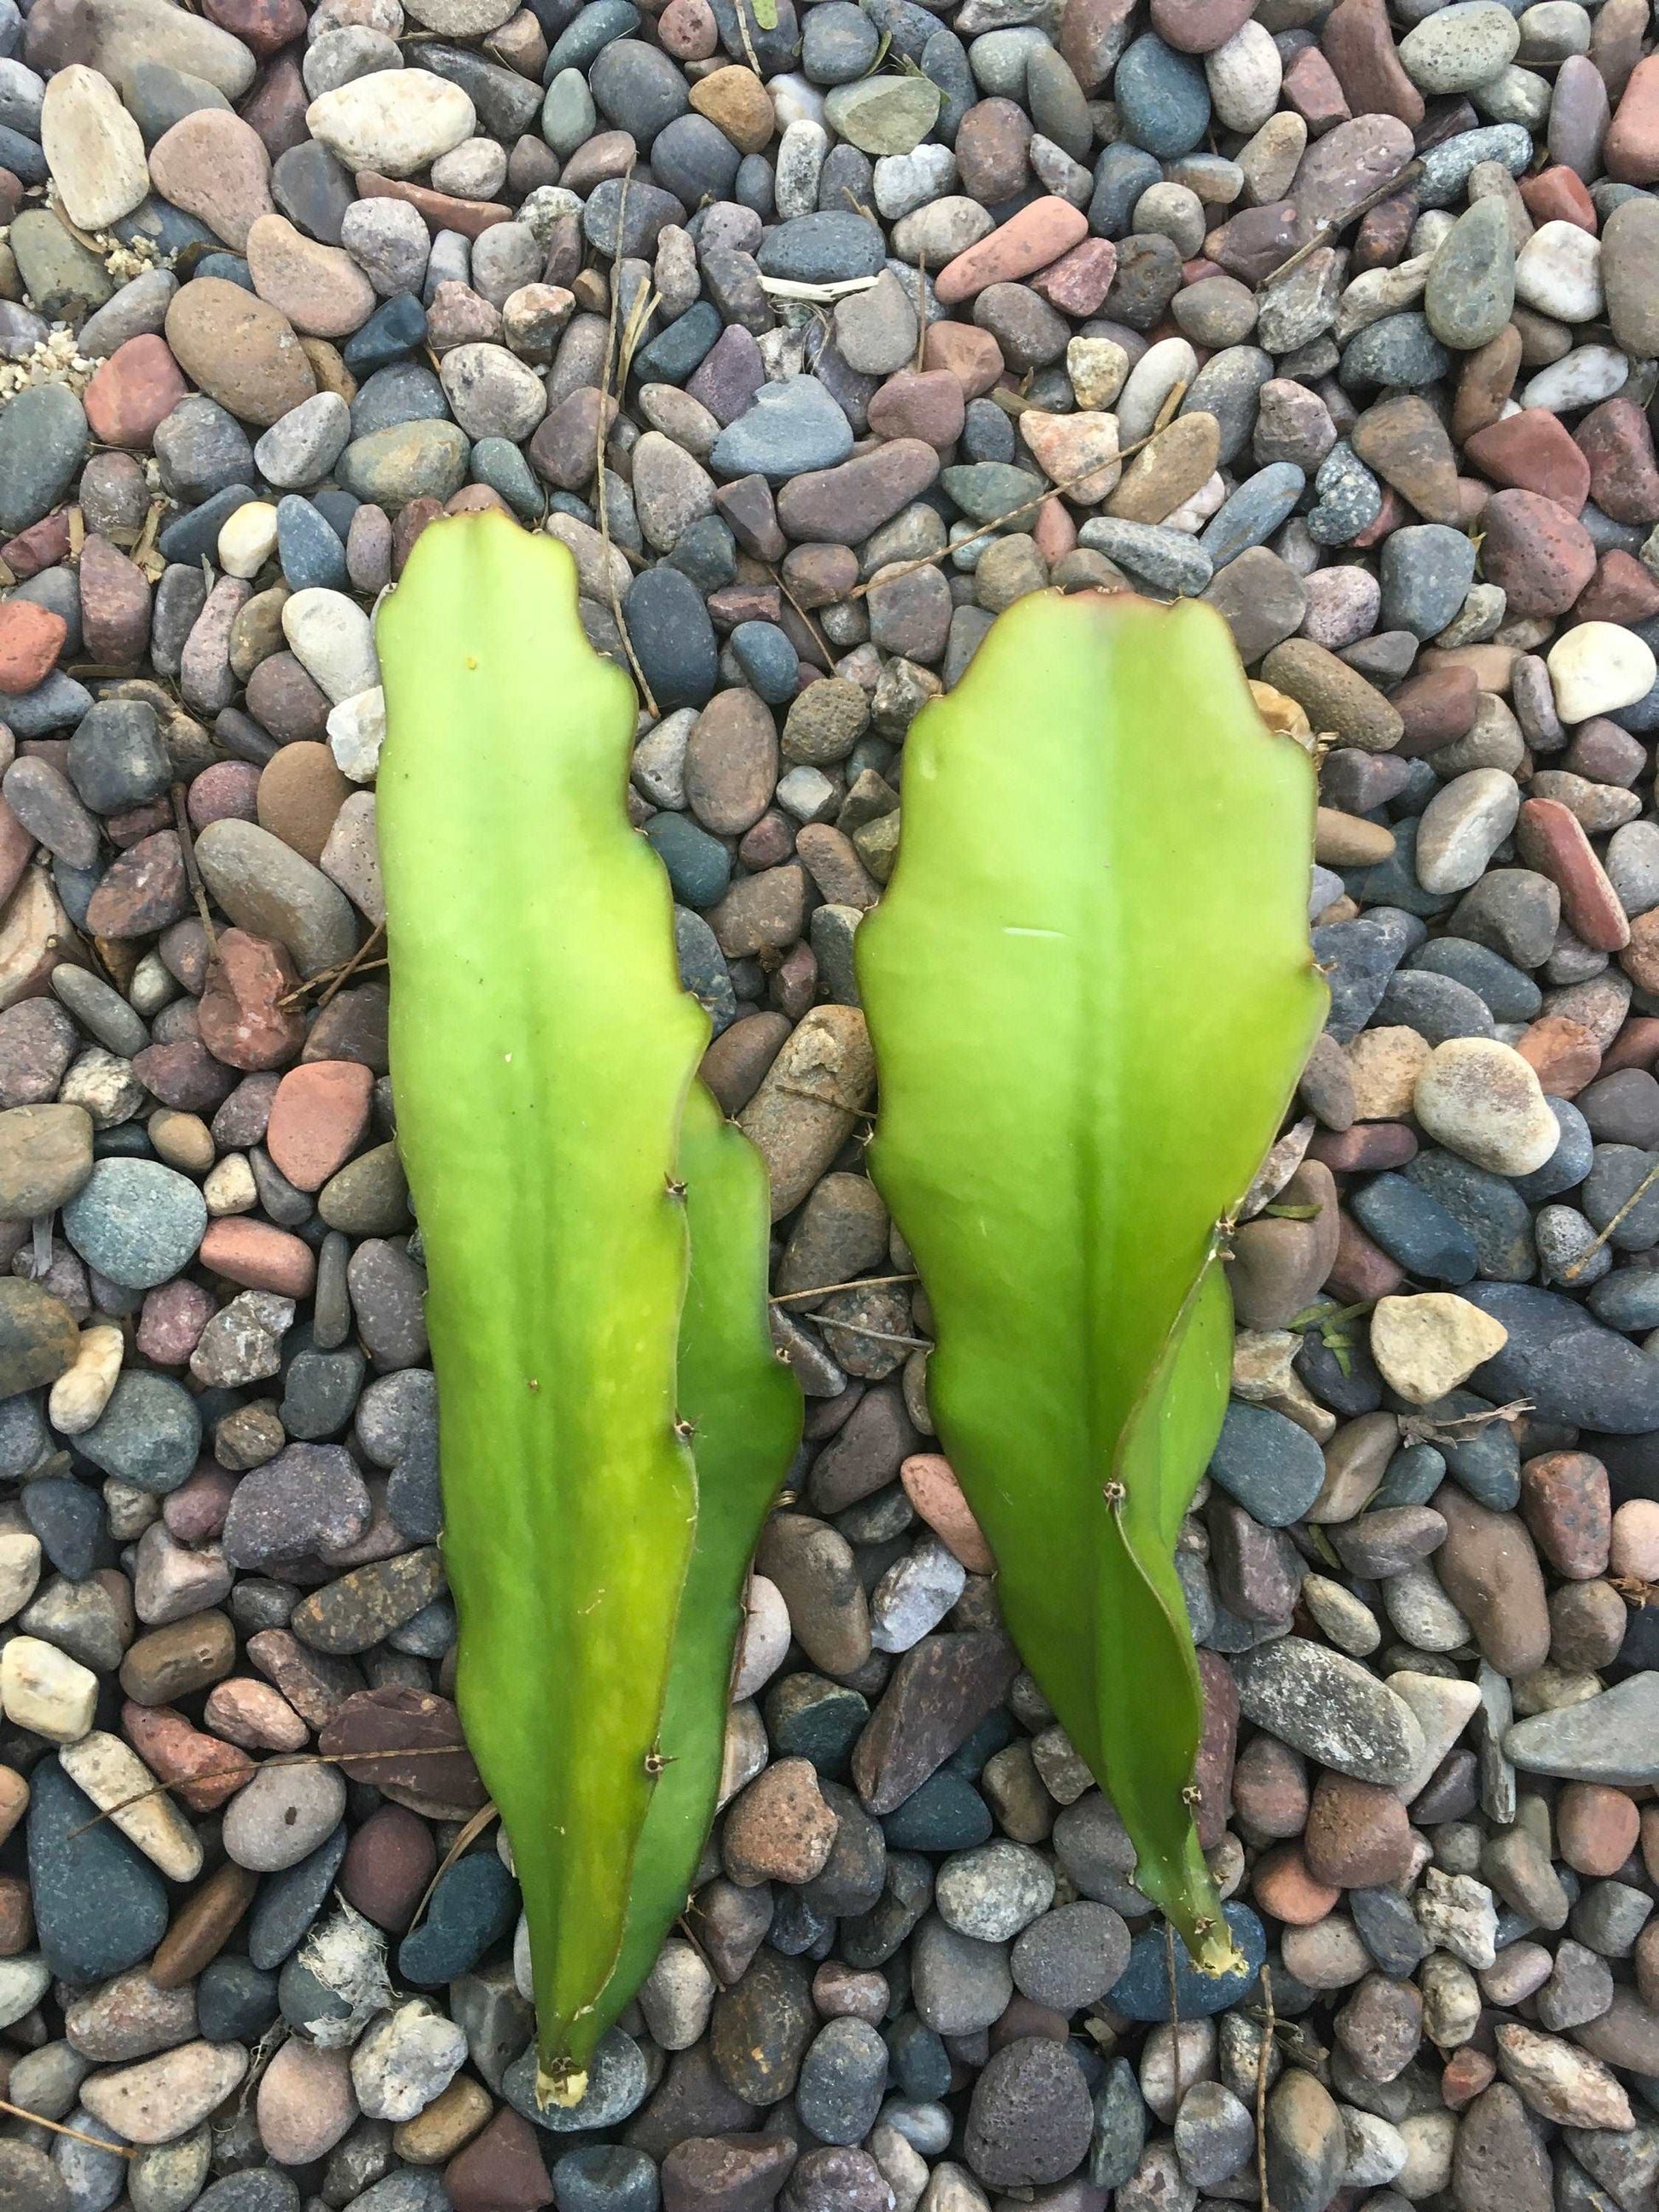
1384 1066
1166 473
1429 1344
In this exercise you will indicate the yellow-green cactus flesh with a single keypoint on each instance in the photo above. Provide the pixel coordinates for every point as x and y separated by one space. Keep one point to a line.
542 1052
1091 991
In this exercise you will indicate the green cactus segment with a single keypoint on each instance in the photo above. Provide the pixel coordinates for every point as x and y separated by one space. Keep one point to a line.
542 1050
1090 990
744 1410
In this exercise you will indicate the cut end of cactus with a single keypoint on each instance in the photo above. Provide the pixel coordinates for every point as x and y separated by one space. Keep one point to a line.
564 2084
1216 1955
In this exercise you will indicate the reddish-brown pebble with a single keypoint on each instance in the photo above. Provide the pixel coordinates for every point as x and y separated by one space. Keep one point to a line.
501 2170
1561 1052
243 1018
1358 44
223 792
202 1771
780 1828
1616 443
1532 451
1283 1885
1078 282
1311 90
257 1256
139 387
42 545
1270 1788
174 1316
1359 1834
1489 1569
1596 1828
1566 1503
1631 149
972 355
1540 554
932 1487
254 1715
195 1512
318 1118
1637 1045
1363 1270
203 1924
31 638
926 404
1468 2072
1091 36
1028 241
1621 591
114 607
688 30
267 26
1551 839
301 791
438 210
387 1865
1365 1149
1437 707
1559 195
1198 27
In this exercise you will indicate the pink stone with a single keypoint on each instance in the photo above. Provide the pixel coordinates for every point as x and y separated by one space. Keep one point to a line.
224 793
318 1118
134 390
1028 241
174 1316
260 1257
195 1512
1054 532
1078 282
932 1487
252 1714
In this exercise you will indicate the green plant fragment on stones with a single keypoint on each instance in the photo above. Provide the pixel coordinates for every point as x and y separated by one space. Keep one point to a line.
542 1051
744 1410
1091 991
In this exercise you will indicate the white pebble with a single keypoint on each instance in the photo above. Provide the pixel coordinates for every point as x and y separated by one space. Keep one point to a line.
19 1570
397 121
333 641
1244 76
1559 272
1481 1100
1598 668
247 539
765 1637
44 1689
356 730
1584 378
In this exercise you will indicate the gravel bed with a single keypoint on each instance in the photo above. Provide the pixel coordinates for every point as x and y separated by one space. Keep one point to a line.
885 315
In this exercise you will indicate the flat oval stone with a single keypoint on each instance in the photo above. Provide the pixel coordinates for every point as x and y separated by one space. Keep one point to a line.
1330 1708
135 1221
1142 1990
100 1906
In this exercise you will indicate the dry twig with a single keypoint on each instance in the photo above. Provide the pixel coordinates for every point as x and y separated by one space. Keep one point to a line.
822 1290
75 2135
192 872
1263 2054
987 528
